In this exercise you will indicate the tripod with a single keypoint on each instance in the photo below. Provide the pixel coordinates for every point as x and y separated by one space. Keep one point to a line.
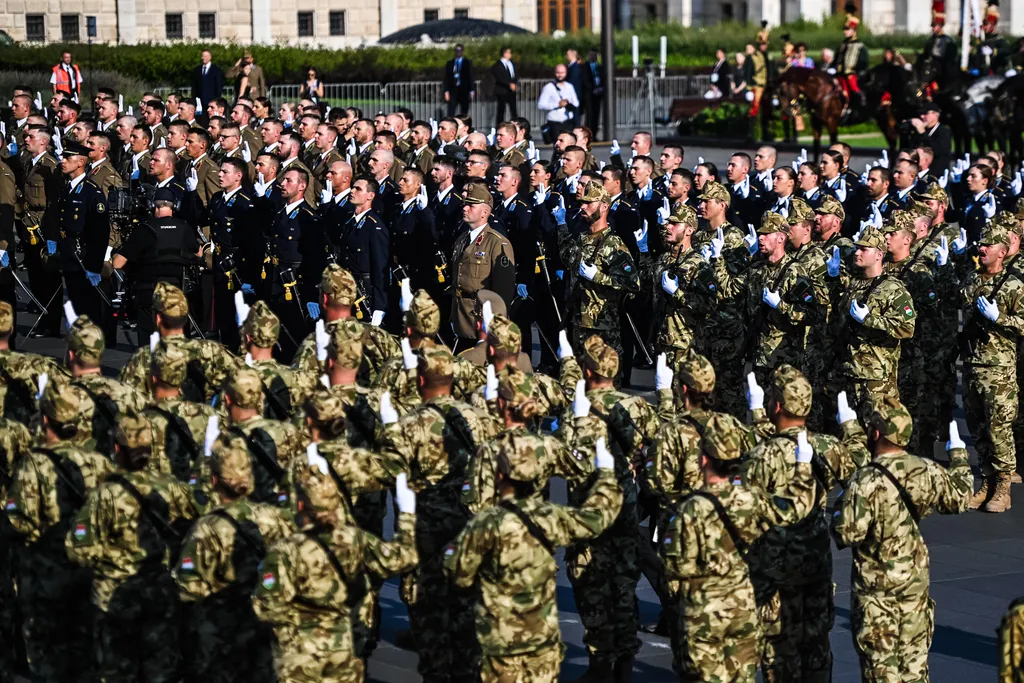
642 114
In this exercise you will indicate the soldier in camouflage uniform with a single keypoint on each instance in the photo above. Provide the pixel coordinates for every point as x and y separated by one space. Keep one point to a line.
892 614
435 442
725 333
217 571
600 269
305 579
792 572
874 315
19 373
50 484
706 549
209 363
682 294
517 615
1011 644
338 294
127 532
992 305
15 441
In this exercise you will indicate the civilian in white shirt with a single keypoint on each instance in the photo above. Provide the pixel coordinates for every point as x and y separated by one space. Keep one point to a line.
559 100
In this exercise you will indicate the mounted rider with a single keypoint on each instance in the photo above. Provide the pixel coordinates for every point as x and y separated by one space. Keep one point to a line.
852 60
939 58
992 56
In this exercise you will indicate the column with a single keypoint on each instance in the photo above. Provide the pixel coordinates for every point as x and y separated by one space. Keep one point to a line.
261 21
388 17
126 22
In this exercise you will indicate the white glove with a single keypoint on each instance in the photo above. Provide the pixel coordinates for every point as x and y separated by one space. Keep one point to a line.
212 432
564 347
154 340
485 317
942 252
405 299
614 149
491 385
749 96
323 340
990 206
662 374
858 312
246 152
986 50
750 239
954 437
588 270
755 394
804 452
408 357
539 196
325 195
120 102
876 217
388 414
69 313
192 182
241 309
580 402
490 138
249 362
600 164
199 104
314 459
604 459
841 190
433 128
771 298
717 243
834 263
884 161
845 413
960 243
669 284
376 318
1018 183
1011 73
989 309
665 211
325 381
41 381
421 199
39 100
944 180
405 497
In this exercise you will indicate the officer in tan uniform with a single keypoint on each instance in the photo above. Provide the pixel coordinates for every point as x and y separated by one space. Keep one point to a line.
101 171
201 176
42 187
482 259
8 198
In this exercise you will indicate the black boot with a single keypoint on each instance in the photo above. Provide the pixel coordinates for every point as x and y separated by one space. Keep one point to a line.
597 672
624 670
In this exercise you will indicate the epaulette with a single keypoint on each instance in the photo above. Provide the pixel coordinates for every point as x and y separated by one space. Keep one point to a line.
241 193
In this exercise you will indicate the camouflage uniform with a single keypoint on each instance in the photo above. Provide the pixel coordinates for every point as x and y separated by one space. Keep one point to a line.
15 441
50 484
718 637
517 615
595 304
19 375
126 533
792 573
223 640
892 613
1011 644
306 580
434 443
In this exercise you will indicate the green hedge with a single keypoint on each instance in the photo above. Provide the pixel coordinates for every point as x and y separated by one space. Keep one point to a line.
688 48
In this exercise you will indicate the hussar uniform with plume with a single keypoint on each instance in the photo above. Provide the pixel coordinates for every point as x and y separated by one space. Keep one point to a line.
852 60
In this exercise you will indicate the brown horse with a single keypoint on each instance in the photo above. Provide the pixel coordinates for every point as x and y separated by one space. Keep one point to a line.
819 94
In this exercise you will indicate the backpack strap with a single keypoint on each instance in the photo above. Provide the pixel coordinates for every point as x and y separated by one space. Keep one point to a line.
258 546
742 547
268 461
63 474
170 537
903 493
530 525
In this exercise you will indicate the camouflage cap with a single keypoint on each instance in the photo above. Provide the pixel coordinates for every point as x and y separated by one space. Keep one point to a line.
1019 209
595 192
169 300
830 206
602 359
85 338
319 489
504 335
515 386
6 318
134 431
918 207
799 211
713 190
477 193
436 363
497 303
995 233
67 405
792 390
1008 221
771 222
346 345
245 389
325 406
934 193
684 214
521 459
169 363
423 316
262 326
231 463
892 420
872 238
696 372
899 220
339 285
725 438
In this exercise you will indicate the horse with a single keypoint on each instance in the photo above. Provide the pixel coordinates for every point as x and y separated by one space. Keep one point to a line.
820 94
1008 116
892 95
965 105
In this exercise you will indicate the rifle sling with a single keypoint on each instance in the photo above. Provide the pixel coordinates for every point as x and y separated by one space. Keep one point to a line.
530 525
164 527
903 494
742 547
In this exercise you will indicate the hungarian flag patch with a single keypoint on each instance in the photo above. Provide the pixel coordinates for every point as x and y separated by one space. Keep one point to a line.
269 581
187 564
80 531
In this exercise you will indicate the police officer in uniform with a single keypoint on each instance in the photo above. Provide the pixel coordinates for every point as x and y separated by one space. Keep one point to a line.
364 248
158 250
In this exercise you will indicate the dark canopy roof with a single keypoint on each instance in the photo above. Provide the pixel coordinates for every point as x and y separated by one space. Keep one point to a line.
444 30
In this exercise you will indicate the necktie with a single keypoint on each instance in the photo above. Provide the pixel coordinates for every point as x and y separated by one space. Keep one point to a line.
206 69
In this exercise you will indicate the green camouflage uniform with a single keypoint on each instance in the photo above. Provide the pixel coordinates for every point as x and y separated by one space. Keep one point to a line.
718 636
19 374
15 441
127 532
216 574
1011 644
892 614
50 484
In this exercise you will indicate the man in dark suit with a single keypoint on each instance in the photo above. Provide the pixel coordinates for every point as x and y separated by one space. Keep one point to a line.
592 95
207 81
459 86
574 72
505 80
933 134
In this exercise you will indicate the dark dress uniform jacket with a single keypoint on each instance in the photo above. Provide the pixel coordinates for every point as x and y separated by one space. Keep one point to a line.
364 251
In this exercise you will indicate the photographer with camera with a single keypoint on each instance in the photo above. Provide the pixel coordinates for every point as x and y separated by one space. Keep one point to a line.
159 250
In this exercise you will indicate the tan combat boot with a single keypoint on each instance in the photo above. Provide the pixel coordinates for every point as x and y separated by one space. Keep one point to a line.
1015 477
1000 501
982 495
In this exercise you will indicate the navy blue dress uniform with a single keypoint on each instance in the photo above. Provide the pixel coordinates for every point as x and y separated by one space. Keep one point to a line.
388 201
902 199
976 214
333 217
746 206
234 231
413 255
256 257
813 197
298 258
624 221
363 251
886 205
566 189
543 225
645 207
848 193
516 220
447 208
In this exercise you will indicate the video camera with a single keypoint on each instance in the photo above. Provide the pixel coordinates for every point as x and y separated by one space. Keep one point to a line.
128 206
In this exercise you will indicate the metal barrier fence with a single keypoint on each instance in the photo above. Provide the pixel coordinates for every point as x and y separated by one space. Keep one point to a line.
640 103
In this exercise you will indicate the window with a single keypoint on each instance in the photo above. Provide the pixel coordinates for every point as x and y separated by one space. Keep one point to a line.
175 26
207 25
337 21
69 24
35 28
462 13
305 24
431 15
565 15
